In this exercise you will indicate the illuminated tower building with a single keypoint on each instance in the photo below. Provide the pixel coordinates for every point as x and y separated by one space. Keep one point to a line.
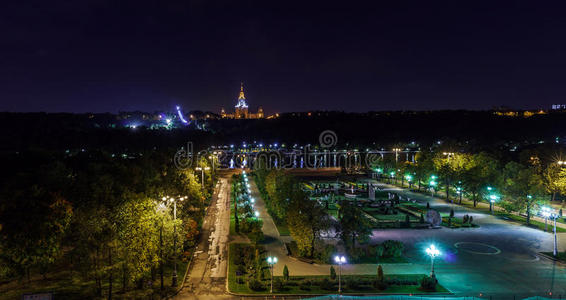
242 107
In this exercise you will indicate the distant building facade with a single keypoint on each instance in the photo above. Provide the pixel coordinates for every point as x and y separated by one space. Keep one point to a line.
241 109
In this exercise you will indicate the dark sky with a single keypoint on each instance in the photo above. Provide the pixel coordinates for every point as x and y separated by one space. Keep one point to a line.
292 56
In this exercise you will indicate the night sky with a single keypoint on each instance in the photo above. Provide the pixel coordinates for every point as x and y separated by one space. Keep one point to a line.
99 56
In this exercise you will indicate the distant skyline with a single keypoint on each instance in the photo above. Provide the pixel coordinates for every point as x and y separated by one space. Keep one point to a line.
109 56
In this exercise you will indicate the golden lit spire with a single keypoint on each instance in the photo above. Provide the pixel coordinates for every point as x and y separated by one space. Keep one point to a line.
241 91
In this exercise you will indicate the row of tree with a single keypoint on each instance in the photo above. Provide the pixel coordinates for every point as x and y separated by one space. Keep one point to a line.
520 182
105 219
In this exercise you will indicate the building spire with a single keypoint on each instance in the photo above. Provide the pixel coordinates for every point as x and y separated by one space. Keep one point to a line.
241 91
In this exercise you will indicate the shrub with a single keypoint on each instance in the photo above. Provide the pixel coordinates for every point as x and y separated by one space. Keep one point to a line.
305 285
240 269
255 285
332 273
393 248
286 273
380 282
428 283
356 253
325 254
380 273
279 284
379 250
353 284
407 221
326 284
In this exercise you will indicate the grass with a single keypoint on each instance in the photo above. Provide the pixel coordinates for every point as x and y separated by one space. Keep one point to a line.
311 285
561 256
283 229
382 260
456 223
297 285
523 221
390 217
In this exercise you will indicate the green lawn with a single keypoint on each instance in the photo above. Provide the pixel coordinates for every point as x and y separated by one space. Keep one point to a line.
390 217
561 257
311 285
398 284
283 229
456 223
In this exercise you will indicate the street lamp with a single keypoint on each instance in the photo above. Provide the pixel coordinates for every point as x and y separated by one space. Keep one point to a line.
212 158
174 200
272 260
340 259
202 174
492 198
547 212
409 178
433 252
432 184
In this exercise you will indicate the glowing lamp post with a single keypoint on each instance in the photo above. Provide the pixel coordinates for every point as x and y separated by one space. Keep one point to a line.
271 260
549 213
492 199
459 192
174 200
202 174
409 178
432 184
433 252
339 259
256 214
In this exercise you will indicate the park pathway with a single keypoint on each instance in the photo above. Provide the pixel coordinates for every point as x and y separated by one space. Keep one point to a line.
207 274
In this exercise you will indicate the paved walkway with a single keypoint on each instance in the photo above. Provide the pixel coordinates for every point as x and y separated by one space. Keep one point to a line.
207 274
441 195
